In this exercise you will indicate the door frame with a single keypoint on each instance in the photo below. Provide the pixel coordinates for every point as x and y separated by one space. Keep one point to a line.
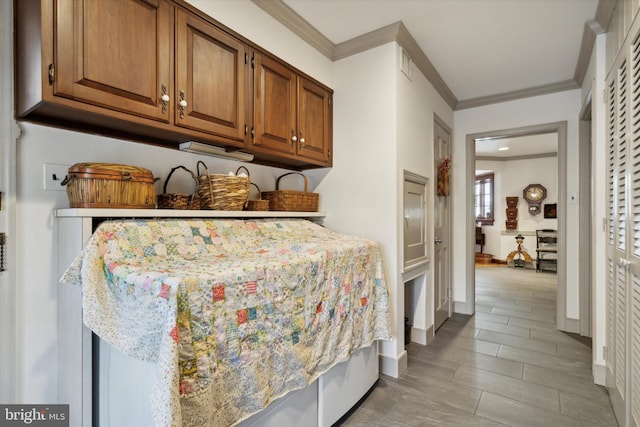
9 132
560 128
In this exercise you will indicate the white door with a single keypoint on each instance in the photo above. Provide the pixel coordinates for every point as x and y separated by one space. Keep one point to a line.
442 226
623 239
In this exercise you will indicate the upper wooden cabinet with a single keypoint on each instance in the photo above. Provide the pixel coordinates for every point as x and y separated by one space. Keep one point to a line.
162 72
292 114
116 55
212 74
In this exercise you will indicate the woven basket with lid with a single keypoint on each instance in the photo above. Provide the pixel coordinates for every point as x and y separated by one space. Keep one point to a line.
108 185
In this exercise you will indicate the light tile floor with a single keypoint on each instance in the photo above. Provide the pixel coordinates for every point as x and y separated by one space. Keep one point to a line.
506 365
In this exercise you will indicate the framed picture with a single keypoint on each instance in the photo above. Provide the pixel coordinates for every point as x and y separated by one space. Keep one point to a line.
550 210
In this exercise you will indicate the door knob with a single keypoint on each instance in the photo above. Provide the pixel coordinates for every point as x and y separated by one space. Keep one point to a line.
438 240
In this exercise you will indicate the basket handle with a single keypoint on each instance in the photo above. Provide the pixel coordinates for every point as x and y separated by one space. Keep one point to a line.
242 167
198 167
164 188
208 178
259 192
292 173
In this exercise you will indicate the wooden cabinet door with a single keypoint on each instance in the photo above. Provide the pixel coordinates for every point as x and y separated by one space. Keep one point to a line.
115 54
314 121
212 77
274 91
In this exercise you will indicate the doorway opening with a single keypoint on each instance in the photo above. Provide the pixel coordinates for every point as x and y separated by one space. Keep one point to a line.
557 131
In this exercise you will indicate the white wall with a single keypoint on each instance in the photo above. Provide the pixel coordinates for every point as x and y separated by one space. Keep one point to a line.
383 125
557 107
510 178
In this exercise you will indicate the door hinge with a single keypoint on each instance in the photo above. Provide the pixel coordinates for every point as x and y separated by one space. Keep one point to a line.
449 293
3 252
605 352
52 73
605 95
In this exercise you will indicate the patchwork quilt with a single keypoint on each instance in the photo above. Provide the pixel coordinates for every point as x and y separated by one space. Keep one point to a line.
235 313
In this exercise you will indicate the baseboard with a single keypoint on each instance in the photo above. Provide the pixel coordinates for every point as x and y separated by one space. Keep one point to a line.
462 308
419 336
599 374
393 367
572 325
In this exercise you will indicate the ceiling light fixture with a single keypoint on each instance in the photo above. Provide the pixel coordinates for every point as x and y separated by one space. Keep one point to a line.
211 150
503 148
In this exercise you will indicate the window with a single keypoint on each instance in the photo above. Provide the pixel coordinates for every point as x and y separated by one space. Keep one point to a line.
484 199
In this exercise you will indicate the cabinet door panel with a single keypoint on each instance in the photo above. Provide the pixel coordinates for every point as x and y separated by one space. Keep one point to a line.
274 105
314 121
115 54
211 77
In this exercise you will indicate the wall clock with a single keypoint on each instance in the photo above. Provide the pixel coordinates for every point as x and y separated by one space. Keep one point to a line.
534 194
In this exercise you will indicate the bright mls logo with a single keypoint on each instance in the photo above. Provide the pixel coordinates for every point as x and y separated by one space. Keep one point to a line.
34 415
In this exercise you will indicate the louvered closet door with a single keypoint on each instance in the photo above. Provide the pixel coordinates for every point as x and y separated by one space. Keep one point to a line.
623 251
617 239
633 355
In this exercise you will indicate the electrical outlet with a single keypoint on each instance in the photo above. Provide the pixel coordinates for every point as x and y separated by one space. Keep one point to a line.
53 175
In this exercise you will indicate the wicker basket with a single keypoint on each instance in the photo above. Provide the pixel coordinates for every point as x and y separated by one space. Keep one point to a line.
107 185
292 201
179 200
257 205
222 192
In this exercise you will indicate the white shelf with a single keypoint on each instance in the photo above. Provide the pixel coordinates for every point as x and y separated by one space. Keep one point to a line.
178 213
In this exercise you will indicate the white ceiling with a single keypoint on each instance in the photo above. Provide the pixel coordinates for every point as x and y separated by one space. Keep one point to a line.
479 47
529 145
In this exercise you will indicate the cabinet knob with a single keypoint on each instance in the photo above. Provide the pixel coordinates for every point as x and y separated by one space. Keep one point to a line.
294 138
182 104
165 99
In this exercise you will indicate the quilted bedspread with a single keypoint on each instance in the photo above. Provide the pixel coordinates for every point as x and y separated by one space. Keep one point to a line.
235 313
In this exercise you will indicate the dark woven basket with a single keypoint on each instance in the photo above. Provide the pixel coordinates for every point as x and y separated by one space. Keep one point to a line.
179 200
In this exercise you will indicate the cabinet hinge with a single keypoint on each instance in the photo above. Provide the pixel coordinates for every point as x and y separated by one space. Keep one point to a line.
253 132
246 130
246 58
52 73
3 251
253 62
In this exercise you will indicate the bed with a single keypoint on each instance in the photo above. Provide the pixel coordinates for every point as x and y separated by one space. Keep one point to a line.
234 313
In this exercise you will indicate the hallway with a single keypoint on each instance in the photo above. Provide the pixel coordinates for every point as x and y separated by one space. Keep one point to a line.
507 365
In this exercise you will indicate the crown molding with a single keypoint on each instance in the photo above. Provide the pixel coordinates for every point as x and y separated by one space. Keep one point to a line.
298 25
518 94
524 157
398 33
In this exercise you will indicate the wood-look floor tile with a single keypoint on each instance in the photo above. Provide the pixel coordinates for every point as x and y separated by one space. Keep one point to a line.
534 394
517 413
576 384
519 342
500 328
495 368
577 407
574 367
482 361
540 317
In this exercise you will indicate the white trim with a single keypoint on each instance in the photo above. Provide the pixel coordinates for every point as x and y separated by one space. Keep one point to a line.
599 374
8 135
393 366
